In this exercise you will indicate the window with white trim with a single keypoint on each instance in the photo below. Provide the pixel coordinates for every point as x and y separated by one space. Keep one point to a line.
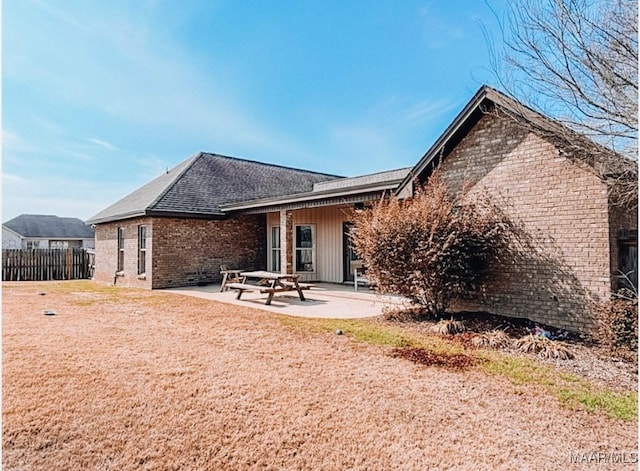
305 248
275 249
120 248
142 250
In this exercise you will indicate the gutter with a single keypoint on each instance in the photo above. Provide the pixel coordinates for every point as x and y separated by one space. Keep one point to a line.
151 213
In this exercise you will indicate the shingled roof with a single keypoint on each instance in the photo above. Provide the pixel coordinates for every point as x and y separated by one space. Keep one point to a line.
50 227
200 185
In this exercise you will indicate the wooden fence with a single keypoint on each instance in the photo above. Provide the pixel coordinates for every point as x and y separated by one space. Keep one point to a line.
46 264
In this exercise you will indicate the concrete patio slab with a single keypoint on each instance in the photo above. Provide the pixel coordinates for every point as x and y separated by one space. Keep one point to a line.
324 300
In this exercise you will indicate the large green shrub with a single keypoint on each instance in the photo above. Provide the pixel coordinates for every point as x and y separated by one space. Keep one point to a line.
431 248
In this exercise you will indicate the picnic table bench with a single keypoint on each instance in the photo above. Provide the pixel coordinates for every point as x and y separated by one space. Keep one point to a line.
228 276
270 283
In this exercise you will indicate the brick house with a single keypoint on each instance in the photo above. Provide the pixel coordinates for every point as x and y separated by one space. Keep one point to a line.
173 232
213 210
574 240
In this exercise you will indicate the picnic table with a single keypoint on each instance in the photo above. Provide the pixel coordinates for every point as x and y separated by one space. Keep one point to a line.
228 276
268 282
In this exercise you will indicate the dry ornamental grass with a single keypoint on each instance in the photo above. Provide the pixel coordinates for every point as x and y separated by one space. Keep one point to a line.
543 347
449 327
124 379
494 339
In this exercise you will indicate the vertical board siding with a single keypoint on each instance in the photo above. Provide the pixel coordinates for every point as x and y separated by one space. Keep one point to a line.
328 233
46 264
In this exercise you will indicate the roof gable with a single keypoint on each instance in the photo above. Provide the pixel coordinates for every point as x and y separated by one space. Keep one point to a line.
50 227
485 100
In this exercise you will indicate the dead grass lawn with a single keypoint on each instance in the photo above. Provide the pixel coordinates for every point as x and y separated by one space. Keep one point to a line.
135 380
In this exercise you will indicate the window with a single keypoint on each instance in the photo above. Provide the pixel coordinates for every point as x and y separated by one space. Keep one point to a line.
120 248
628 259
275 249
58 244
142 250
33 244
305 250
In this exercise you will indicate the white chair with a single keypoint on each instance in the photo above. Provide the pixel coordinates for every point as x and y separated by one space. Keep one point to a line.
359 274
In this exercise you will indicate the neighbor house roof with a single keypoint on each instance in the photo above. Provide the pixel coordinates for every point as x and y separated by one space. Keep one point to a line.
49 227
200 185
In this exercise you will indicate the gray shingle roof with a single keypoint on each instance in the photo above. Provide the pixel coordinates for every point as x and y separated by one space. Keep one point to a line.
52 227
328 191
204 182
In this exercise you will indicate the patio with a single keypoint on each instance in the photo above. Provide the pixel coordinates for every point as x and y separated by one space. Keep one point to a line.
324 300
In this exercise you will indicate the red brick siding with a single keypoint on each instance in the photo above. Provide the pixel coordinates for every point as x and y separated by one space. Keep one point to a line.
107 253
562 259
182 252
188 250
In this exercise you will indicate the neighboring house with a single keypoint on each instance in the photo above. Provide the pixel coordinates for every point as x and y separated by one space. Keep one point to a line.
36 231
213 210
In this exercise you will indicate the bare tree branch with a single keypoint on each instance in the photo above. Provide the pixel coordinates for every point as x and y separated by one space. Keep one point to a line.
576 61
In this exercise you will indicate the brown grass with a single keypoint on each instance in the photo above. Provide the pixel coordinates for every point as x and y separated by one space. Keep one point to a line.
134 380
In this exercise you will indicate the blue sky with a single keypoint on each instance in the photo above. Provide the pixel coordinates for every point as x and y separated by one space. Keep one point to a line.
100 97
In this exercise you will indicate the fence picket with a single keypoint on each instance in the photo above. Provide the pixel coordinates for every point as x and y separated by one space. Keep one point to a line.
45 264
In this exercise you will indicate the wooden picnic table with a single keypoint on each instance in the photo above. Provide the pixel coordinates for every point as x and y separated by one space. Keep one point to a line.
228 276
270 283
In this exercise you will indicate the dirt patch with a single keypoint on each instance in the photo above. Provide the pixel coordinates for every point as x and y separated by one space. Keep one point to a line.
145 380
453 361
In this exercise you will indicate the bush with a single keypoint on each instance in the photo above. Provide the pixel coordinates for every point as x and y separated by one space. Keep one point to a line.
543 347
617 323
496 339
449 327
431 248
412 314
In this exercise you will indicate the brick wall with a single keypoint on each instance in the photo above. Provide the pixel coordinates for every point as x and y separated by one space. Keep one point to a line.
107 253
181 252
560 258
187 250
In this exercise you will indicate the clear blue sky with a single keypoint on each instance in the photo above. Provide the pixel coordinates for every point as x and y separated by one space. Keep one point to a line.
99 97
